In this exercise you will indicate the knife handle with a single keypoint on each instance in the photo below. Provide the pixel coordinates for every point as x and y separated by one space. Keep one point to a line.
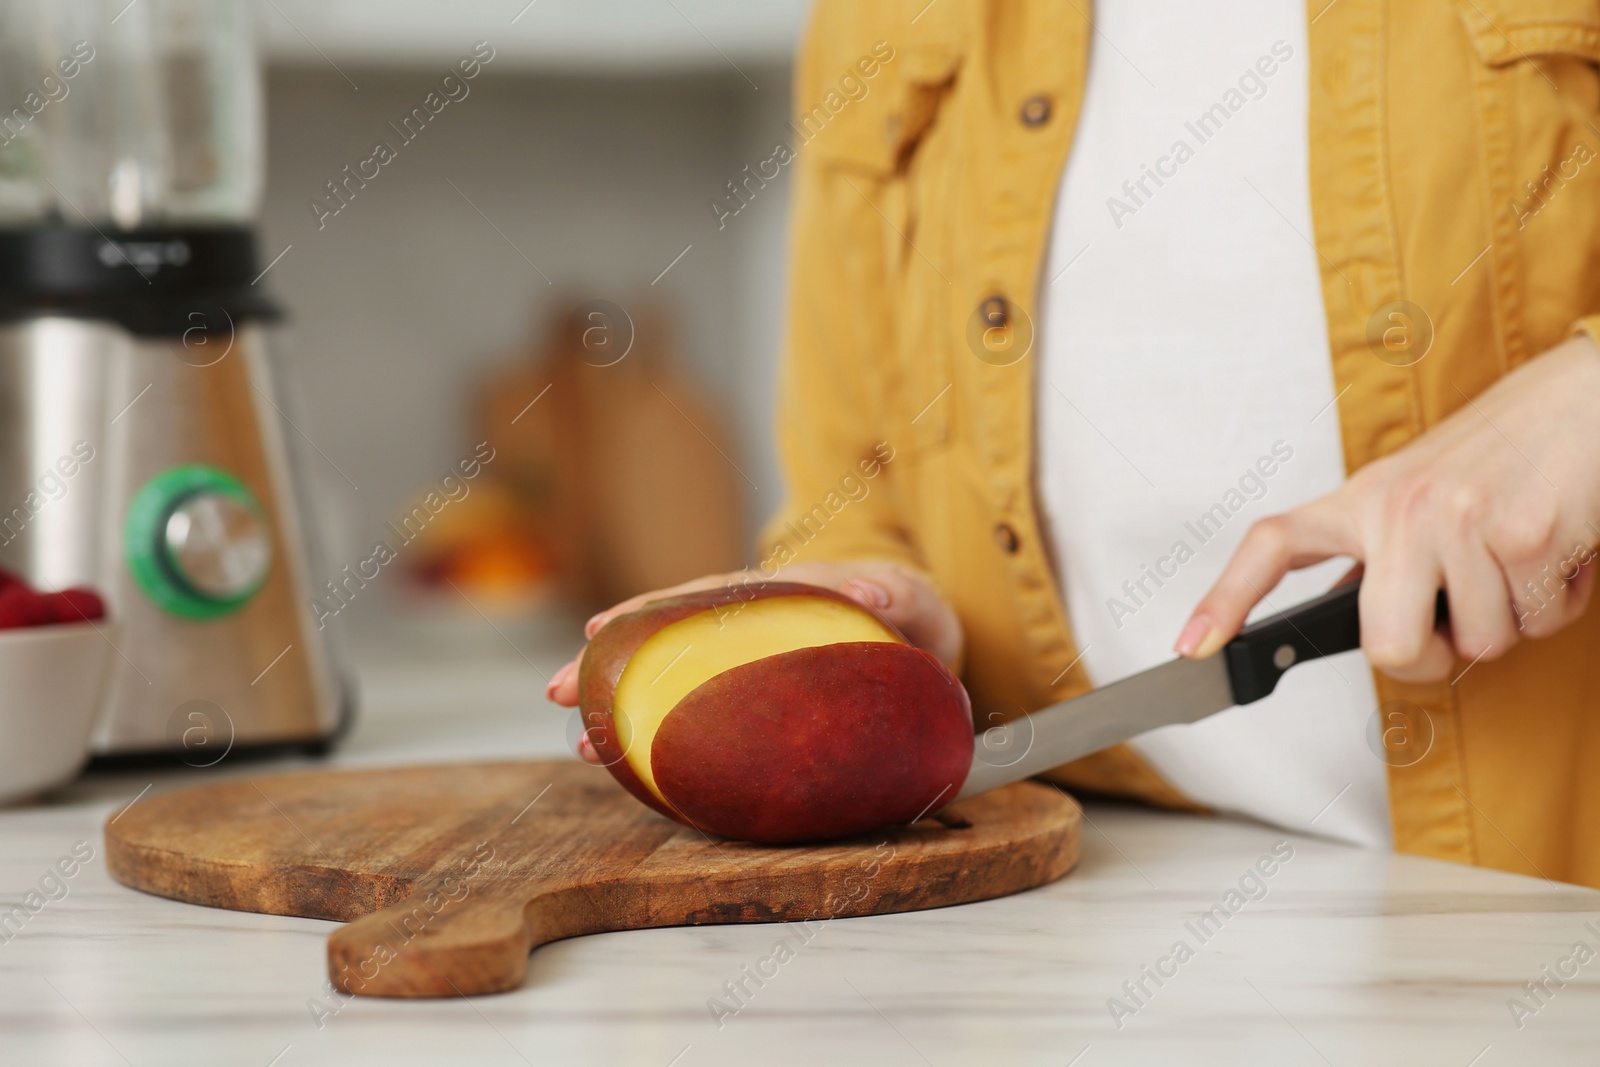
1326 626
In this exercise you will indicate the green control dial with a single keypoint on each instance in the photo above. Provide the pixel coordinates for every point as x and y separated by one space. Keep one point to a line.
198 542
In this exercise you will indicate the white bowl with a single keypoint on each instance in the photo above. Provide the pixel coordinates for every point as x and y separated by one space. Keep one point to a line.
51 680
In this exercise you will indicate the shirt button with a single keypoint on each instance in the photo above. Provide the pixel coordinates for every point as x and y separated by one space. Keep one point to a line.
996 313
1036 110
1006 538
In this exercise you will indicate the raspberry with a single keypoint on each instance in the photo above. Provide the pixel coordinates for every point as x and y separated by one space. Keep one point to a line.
75 605
21 606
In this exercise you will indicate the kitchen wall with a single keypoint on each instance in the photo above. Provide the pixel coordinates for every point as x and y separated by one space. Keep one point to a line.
536 188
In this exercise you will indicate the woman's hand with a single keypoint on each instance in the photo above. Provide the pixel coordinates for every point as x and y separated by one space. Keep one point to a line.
1498 505
897 594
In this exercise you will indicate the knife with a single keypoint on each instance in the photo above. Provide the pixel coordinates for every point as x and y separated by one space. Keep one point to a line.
1183 690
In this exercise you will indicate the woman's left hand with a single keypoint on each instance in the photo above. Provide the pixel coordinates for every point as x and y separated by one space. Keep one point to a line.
1498 505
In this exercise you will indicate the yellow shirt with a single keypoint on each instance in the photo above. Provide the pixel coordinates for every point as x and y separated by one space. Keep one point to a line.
1455 182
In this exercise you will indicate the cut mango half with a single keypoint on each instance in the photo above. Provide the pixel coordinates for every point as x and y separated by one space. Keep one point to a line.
678 658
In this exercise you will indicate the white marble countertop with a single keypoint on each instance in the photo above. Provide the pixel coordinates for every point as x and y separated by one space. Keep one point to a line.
1349 958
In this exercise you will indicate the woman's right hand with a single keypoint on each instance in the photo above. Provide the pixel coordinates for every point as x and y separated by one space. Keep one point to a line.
914 607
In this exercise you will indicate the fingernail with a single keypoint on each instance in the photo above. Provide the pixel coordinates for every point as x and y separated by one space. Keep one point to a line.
593 624
1194 633
870 593
560 676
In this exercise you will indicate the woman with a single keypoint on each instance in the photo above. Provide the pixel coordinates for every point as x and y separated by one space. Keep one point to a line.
1308 286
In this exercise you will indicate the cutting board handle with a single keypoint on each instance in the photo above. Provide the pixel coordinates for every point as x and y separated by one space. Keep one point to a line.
469 946
436 945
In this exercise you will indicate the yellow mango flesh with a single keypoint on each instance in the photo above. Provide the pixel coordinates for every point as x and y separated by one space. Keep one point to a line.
678 658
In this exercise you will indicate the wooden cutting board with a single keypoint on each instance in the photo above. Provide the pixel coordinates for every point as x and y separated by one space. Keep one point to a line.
450 875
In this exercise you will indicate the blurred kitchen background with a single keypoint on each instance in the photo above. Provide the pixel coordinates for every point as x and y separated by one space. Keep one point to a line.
574 179
526 370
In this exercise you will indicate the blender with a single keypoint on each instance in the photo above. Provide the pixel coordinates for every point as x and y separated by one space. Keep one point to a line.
136 337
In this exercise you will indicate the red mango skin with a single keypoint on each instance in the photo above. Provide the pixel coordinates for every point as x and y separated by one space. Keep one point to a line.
817 743
610 650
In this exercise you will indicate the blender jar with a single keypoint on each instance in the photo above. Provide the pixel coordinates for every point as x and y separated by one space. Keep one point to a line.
129 114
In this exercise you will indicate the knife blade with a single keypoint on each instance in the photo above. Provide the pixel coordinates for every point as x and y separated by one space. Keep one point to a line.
1180 691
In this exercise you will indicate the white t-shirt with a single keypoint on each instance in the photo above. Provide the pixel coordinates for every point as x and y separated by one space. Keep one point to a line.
1185 389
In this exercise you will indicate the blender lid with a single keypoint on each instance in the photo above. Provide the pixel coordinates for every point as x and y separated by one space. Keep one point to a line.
152 281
